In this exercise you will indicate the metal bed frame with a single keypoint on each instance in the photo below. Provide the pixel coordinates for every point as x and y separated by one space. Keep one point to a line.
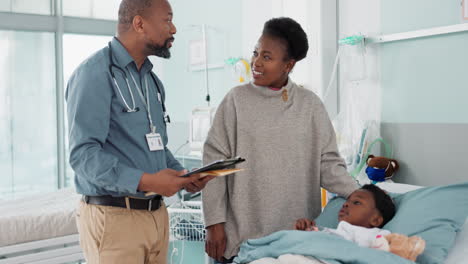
57 250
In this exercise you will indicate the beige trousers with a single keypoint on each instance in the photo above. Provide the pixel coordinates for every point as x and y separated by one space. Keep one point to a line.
114 235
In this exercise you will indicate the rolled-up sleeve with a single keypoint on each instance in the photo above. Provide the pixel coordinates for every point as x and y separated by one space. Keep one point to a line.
89 97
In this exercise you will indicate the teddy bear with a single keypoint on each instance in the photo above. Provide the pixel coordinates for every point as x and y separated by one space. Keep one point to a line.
401 245
380 168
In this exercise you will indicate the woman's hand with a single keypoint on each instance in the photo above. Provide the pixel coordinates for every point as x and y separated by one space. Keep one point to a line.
305 224
198 184
166 182
215 244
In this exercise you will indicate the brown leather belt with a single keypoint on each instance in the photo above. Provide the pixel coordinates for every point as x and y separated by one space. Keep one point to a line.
133 203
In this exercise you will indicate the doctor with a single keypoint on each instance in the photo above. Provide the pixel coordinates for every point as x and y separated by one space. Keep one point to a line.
118 140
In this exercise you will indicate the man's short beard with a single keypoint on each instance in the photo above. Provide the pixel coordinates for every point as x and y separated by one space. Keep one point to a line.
161 51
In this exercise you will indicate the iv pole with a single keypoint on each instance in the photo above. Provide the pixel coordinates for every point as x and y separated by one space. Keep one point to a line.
205 47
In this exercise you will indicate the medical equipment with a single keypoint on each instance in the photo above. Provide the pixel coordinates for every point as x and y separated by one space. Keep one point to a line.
186 221
133 108
351 40
356 47
357 123
207 47
241 69
200 123
186 224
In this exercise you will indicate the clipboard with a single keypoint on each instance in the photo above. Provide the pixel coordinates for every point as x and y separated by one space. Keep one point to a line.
216 168
217 165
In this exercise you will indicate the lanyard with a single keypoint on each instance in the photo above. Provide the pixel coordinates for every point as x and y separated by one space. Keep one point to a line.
146 102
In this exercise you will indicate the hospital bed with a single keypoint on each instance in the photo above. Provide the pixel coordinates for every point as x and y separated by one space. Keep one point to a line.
458 254
40 229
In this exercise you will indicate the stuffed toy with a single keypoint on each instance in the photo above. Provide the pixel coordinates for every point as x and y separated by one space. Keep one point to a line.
401 245
380 168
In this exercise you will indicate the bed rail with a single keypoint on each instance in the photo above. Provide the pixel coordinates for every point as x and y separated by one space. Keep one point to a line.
49 251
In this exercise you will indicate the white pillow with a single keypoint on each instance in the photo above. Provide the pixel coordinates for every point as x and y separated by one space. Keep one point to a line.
397 187
459 252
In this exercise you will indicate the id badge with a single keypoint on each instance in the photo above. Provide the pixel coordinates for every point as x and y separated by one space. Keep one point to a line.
154 141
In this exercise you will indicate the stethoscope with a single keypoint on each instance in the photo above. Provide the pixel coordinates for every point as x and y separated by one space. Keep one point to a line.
127 108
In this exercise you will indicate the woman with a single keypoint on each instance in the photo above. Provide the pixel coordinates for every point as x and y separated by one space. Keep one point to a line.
286 136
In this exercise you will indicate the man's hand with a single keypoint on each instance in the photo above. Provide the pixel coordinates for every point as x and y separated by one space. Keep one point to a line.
165 182
215 243
305 224
199 184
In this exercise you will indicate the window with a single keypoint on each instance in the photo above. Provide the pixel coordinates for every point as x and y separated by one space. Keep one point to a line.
76 48
42 7
33 149
5 5
99 9
28 125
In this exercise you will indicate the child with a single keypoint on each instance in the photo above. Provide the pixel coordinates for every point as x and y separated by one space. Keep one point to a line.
361 218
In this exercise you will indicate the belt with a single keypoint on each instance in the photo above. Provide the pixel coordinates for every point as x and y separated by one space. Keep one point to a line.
125 202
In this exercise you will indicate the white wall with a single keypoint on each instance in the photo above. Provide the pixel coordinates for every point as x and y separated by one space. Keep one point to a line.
327 49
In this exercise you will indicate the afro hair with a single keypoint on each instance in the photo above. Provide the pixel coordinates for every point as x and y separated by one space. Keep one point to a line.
291 32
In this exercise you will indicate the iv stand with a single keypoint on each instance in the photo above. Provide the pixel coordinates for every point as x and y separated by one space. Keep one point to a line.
205 47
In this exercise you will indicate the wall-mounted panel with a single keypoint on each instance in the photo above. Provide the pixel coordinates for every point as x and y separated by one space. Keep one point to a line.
424 80
424 92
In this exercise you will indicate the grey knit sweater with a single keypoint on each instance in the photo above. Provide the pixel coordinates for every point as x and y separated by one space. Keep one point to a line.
290 150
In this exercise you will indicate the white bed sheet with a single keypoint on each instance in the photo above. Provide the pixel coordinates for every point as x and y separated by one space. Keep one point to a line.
289 259
38 217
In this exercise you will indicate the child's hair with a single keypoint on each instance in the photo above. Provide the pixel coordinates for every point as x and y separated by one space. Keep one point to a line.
383 202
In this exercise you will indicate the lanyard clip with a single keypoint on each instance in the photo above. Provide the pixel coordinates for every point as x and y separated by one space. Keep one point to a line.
167 118
130 110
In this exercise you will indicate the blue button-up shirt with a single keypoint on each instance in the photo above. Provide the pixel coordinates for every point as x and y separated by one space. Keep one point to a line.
108 147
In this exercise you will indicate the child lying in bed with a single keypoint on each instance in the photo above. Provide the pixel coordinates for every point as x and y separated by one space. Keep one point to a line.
361 218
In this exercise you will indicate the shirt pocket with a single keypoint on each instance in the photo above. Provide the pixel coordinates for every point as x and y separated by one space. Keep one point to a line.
132 121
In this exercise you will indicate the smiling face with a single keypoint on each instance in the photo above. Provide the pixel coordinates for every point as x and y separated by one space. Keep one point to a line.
359 209
270 62
158 29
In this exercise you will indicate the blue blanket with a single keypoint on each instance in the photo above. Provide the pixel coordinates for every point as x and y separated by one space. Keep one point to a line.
323 246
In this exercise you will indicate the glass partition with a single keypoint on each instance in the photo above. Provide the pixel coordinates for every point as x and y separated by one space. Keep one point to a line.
28 125
41 7
99 9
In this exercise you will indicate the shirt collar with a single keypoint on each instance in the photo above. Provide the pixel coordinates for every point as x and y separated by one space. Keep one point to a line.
123 58
147 66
